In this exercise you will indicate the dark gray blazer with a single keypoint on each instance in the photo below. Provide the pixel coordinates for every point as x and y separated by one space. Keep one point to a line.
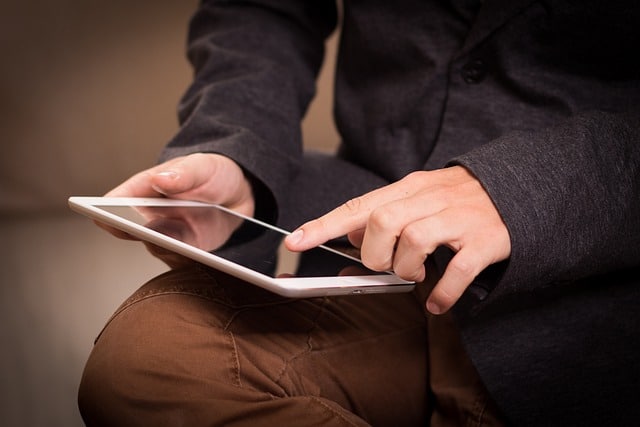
539 99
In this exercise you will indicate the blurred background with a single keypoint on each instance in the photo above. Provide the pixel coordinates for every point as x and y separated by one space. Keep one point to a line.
88 94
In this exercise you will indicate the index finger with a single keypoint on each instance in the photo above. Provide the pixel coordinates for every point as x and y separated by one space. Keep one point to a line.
347 217
350 216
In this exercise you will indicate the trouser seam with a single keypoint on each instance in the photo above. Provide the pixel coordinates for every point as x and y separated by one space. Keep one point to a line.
236 359
479 408
307 350
333 411
140 296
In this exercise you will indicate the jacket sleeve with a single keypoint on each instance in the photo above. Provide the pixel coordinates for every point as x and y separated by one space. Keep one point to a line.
570 197
255 66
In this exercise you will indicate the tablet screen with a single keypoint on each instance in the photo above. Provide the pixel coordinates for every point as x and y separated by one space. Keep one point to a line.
250 244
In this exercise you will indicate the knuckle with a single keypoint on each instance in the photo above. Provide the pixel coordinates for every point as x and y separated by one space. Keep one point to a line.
442 192
197 157
415 275
377 264
462 266
414 178
383 218
318 225
444 297
352 206
412 237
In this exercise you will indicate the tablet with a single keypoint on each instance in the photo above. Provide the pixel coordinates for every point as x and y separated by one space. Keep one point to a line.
238 245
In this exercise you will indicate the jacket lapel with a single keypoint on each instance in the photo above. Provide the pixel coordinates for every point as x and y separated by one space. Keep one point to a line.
492 15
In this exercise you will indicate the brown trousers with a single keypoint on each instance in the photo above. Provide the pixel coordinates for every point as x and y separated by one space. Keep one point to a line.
194 347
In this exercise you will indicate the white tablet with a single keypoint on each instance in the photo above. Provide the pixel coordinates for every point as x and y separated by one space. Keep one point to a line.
240 246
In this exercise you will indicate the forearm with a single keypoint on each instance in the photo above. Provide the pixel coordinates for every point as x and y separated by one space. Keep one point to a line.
255 65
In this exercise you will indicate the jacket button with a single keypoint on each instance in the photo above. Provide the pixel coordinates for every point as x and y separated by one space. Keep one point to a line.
474 71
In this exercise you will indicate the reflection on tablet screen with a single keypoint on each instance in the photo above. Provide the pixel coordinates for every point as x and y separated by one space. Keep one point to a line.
242 241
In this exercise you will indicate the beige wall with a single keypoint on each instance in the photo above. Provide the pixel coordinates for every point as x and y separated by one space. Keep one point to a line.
88 92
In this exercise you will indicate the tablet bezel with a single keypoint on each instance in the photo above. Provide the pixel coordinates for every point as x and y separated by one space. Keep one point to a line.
292 287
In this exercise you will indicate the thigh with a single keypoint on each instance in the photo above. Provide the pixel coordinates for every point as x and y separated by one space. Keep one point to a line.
195 347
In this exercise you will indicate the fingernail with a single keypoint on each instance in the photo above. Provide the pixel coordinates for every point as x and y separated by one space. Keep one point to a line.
433 307
295 237
158 189
171 175
168 174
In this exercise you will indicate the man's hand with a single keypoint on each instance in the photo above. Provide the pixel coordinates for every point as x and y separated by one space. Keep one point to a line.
399 225
210 178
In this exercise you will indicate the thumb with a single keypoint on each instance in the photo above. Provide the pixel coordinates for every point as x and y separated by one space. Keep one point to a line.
206 177
185 177
168 182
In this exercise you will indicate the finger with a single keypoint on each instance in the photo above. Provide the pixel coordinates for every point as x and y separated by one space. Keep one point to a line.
173 177
206 177
352 215
417 241
143 184
460 272
356 237
348 217
201 176
386 225
182 175
136 186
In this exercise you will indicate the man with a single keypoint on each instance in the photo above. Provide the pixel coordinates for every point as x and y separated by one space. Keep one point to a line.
490 150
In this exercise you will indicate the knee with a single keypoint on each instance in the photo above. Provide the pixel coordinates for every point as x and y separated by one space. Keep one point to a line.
150 357
114 373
